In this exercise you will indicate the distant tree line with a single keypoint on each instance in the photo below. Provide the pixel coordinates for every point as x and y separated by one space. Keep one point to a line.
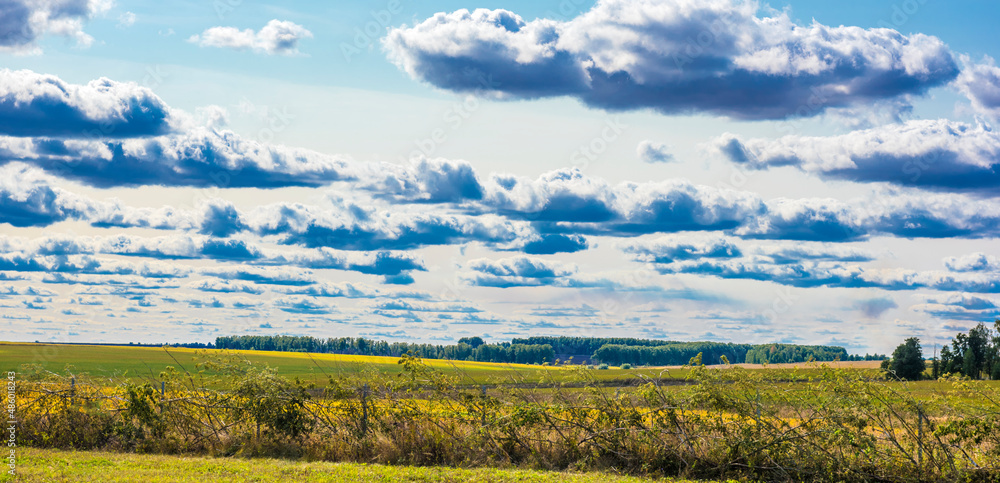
785 353
585 347
672 353
539 350
467 349
676 353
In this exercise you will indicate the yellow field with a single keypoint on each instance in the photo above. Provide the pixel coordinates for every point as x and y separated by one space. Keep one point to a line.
148 362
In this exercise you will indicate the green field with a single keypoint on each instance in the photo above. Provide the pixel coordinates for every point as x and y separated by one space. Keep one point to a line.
37 465
124 362
148 362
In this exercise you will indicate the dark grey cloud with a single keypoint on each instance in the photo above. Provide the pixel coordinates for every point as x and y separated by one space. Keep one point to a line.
30 197
975 262
16 262
671 249
230 250
471 319
84 265
833 274
653 152
565 200
874 308
548 214
980 82
398 279
24 22
184 247
302 305
962 307
344 229
224 286
199 157
785 253
88 301
939 155
220 219
417 232
796 275
27 291
887 213
405 306
671 56
263 275
244 303
38 105
549 244
410 317
27 199
327 289
584 311
427 181
126 286
518 271
384 263
212 303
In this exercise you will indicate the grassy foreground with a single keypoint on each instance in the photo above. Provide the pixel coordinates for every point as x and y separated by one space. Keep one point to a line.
83 466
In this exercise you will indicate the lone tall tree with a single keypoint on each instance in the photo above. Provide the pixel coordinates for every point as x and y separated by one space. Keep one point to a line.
908 360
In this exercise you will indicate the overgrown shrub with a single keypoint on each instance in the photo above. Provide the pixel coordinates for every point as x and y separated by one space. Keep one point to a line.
726 423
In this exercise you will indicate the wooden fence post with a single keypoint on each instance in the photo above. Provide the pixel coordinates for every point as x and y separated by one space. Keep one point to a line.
364 409
757 418
920 435
482 420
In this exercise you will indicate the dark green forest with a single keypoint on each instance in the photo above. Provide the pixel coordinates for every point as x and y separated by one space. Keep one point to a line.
540 350
975 354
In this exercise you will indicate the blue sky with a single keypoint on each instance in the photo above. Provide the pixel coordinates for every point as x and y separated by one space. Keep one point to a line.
807 172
